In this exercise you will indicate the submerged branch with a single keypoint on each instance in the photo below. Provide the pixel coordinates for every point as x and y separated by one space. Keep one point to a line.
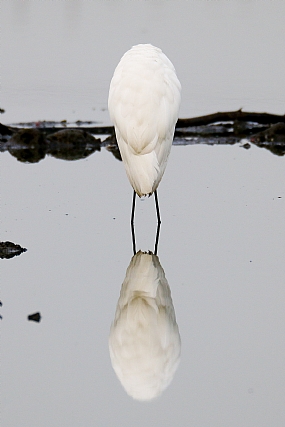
229 116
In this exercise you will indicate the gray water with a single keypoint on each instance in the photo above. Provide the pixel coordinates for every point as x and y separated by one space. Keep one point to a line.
222 235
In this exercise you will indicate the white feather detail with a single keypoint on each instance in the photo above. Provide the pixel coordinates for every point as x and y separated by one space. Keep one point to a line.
144 100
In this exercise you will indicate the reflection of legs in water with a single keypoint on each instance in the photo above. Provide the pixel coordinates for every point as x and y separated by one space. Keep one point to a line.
132 223
156 238
133 238
158 222
133 226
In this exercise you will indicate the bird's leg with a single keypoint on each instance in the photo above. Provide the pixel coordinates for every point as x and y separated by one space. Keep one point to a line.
132 223
157 207
133 207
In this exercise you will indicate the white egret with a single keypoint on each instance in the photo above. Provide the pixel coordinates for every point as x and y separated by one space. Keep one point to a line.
144 339
144 100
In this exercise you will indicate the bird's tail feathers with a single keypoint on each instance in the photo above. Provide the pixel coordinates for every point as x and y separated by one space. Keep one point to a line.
143 173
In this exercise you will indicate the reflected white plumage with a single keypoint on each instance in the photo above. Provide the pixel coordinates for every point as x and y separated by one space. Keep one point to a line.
144 339
144 100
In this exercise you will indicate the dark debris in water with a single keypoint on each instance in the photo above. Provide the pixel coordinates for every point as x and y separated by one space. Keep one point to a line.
27 145
30 145
72 144
9 250
35 317
272 138
275 133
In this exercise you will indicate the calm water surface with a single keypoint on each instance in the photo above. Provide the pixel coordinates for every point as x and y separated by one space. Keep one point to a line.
222 236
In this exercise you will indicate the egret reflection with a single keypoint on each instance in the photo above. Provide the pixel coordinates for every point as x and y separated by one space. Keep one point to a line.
144 340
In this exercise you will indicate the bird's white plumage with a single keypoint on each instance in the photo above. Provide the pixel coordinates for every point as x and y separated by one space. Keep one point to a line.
144 100
144 339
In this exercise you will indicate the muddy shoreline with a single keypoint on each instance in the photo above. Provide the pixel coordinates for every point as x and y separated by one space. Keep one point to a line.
31 142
